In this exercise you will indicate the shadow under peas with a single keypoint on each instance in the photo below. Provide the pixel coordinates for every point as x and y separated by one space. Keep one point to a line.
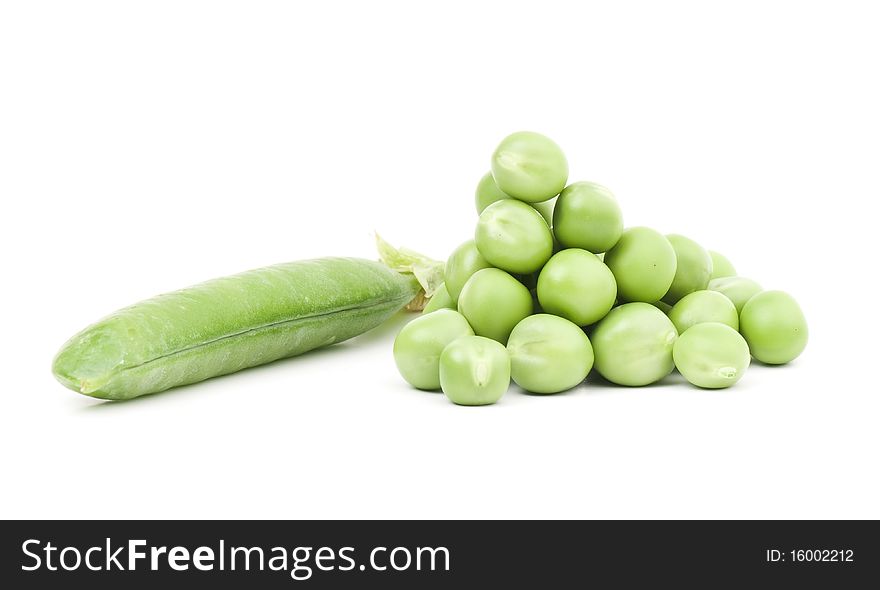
572 391
384 332
597 383
756 363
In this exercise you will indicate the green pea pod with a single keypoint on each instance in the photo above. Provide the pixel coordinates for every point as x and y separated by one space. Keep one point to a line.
232 323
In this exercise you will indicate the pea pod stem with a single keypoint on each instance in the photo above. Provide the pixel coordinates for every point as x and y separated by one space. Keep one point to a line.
429 272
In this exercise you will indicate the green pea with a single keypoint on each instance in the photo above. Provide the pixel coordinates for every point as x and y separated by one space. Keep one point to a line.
461 265
548 354
643 262
587 216
721 266
487 193
693 267
633 345
529 166
546 208
418 346
474 371
439 300
711 355
493 303
703 306
662 306
576 285
738 289
514 237
774 326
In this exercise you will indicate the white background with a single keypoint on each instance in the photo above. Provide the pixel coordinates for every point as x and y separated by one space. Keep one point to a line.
146 146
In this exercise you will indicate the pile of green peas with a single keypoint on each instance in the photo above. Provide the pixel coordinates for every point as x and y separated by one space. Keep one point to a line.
553 285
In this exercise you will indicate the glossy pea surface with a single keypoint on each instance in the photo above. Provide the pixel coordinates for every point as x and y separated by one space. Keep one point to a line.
711 355
474 371
419 344
633 345
587 216
440 300
721 266
493 302
546 208
487 193
464 261
738 289
693 268
529 166
774 326
662 306
548 354
513 236
701 307
643 263
576 285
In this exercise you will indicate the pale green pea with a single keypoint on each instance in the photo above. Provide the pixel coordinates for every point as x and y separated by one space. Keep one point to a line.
546 208
774 326
633 345
487 193
474 371
643 263
693 268
529 166
548 354
418 346
513 236
587 216
701 307
493 303
721 266
576 285
662 306
461 265
711 355
439 300
738 289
